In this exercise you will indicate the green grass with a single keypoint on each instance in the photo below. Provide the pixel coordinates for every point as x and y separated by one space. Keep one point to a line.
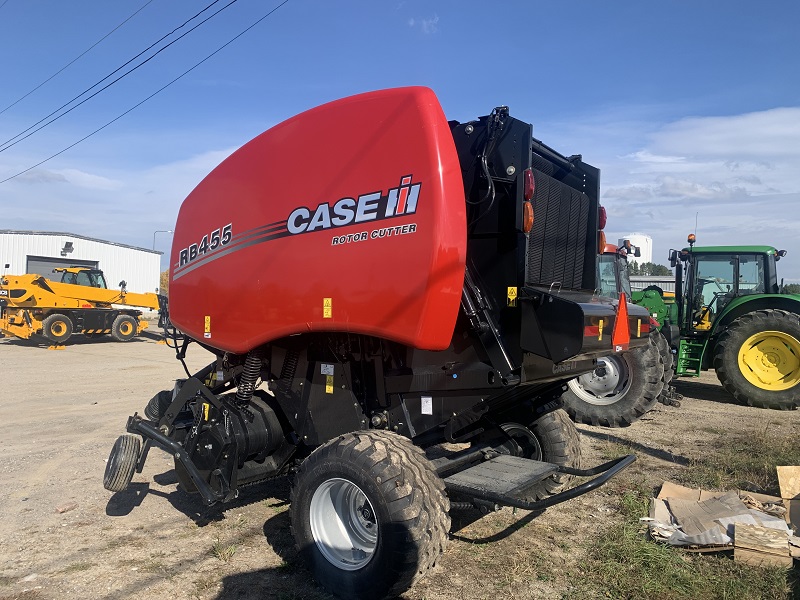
222 551
625 564
744 463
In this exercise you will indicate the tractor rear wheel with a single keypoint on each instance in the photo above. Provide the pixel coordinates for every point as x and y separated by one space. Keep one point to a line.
757 359
124 328
669 368
621 389
369 514
57 328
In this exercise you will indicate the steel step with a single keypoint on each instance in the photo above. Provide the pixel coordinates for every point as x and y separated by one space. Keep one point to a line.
503 475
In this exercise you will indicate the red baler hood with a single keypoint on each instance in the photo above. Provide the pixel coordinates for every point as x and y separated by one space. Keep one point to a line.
347 217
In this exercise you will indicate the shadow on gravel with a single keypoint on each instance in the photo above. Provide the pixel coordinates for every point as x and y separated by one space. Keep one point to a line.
463 519
124 502
713 392
636 446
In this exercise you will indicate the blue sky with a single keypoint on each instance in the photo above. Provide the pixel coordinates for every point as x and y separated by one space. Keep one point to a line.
688 108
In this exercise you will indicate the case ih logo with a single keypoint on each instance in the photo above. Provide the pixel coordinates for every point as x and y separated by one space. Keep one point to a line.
374 206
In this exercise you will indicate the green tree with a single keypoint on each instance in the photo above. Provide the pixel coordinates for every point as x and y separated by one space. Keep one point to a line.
633 268
791 288
649 268
163 284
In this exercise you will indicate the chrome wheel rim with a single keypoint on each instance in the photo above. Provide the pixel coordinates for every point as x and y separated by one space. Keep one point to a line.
606 384
343 524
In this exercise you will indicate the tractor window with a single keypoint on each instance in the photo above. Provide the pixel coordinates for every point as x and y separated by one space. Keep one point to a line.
606 280
715 276
751 274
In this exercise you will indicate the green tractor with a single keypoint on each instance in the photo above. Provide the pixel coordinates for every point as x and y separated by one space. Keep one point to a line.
622 387
730 314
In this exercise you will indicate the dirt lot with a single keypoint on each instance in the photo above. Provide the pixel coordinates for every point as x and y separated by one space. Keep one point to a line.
62 535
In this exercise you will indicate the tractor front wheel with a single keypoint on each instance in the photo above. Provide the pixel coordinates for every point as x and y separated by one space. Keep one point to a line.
757 359
620 389
369 514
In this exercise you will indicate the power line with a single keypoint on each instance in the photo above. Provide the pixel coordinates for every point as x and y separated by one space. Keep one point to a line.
8 143
74 59
158 91
3 4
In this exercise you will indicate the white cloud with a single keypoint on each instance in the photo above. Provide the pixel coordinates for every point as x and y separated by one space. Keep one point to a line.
738 175
430 25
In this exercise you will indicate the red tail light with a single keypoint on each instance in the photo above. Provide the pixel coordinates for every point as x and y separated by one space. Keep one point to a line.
602 217
530 184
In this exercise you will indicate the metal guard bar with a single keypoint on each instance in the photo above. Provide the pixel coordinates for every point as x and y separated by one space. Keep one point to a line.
608 470
147 430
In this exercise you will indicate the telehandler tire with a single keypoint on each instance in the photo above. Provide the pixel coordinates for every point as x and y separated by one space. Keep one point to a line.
122 462
124 328
57 328
757 359
621 389
369 514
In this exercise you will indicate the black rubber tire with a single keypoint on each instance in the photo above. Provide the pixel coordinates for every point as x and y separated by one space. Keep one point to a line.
560 445
669 367
122 462
124 328
158 405
408 500
644 374
57 328
726 362
666 356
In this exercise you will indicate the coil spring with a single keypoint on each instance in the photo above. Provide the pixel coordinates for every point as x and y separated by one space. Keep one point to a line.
250 374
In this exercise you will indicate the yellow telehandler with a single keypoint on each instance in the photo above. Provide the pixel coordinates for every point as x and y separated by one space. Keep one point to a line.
32 305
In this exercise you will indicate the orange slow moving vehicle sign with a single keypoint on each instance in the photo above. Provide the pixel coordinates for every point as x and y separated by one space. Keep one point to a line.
348 217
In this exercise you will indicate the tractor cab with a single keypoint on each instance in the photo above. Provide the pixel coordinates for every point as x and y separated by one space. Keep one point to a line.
82 276
612 270
713 276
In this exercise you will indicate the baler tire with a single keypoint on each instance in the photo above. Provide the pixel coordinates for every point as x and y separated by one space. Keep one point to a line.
762 338
390 509
641 373
124 328
122 462
57 328
158 405
560 445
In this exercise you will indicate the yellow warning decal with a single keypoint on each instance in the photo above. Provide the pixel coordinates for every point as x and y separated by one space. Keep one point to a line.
638 328
327 310
600 330
512 296
207 326
328 384
206 408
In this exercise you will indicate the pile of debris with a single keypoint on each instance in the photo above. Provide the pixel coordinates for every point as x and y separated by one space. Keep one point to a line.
761 530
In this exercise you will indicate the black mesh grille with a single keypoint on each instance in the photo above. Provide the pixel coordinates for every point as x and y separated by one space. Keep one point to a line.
557 243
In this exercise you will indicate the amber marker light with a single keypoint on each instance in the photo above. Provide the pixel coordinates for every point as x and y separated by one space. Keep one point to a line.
527 217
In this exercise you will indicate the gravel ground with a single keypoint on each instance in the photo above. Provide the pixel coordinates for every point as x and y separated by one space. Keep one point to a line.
62 535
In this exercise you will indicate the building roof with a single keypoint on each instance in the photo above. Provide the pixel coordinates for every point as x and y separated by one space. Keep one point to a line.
80 237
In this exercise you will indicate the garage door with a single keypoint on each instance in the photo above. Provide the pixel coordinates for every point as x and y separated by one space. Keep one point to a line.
43 265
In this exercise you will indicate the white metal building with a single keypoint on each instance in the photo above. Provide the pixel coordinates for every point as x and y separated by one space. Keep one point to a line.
40 251
645 244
